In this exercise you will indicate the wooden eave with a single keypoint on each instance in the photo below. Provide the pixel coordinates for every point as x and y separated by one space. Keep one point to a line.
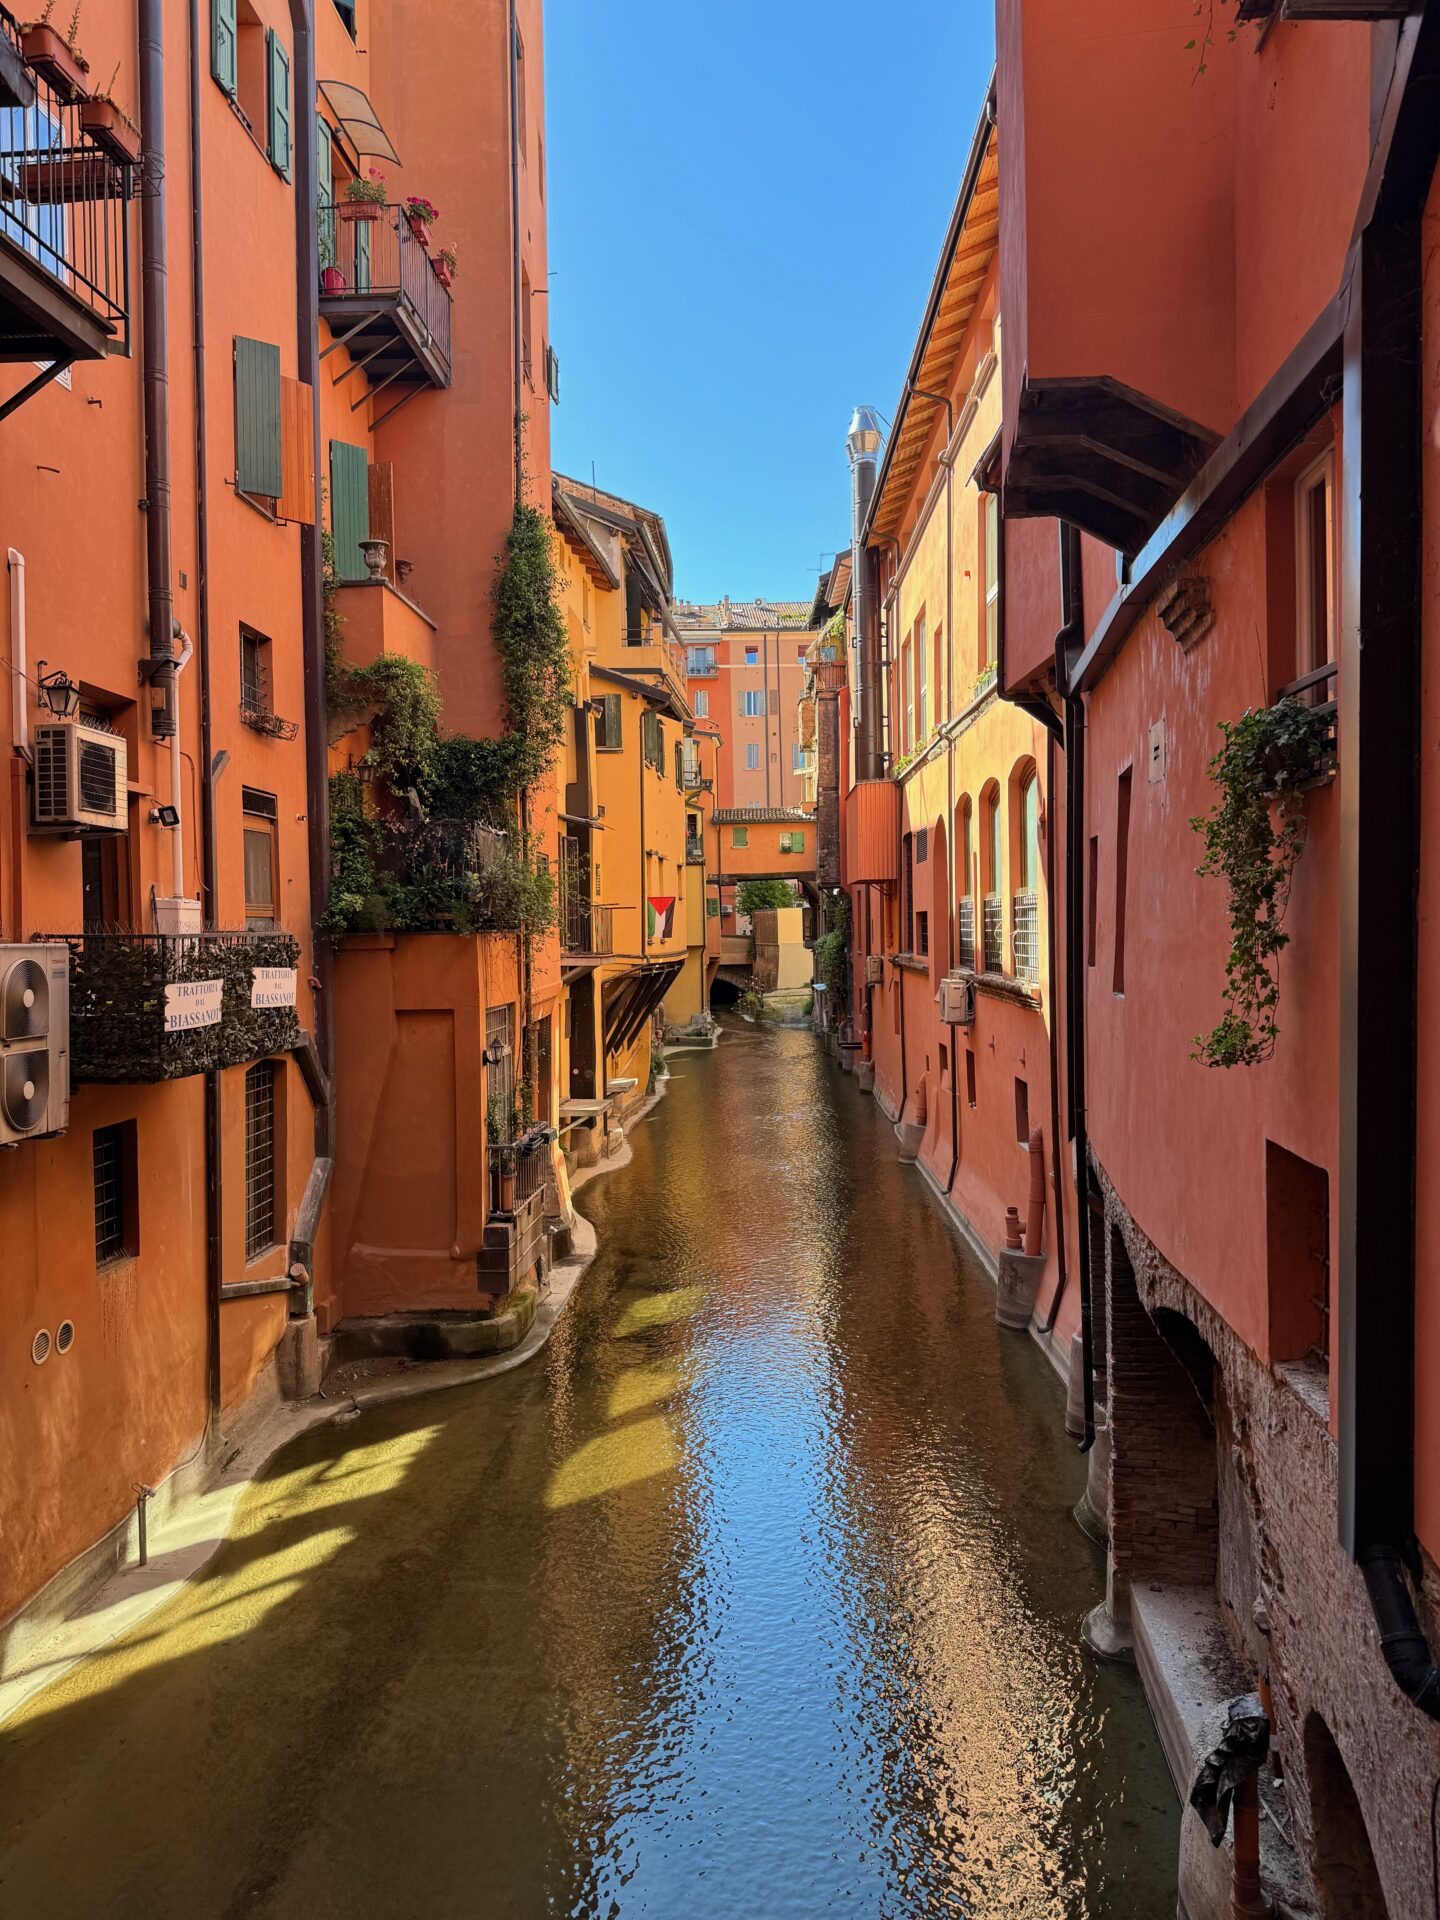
966 263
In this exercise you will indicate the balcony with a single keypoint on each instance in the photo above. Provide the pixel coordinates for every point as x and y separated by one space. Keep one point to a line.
694 850
379 619
383 302
148 1007
518 1169
65 192
872 826
586 928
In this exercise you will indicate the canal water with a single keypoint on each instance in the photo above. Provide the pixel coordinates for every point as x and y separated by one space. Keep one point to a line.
756 1597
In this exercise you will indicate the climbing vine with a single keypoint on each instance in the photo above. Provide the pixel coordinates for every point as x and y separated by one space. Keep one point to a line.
1253 836
533 645
832 951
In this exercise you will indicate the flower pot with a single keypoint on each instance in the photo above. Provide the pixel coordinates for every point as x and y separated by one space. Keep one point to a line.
109 128
331 280
352 210
420 228
72 176
376 553
50 55
444 273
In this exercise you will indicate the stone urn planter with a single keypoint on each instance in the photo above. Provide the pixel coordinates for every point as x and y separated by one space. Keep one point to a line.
376 554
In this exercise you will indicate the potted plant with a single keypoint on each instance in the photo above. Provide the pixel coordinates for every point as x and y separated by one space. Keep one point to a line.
364 198
501 1128
446 263
422 215
109 126
55 56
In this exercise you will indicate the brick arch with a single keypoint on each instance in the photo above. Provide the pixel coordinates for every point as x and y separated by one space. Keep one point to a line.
1347 1880
1164 1503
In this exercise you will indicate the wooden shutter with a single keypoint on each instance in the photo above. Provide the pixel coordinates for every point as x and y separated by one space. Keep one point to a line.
612 720
382 509
349 508
257 418
222 44
297 452
277 67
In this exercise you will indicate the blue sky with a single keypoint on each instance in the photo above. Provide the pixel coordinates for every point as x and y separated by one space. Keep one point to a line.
708 170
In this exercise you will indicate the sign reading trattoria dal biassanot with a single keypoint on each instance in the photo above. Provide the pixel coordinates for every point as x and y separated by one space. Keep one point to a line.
272 987
193 1003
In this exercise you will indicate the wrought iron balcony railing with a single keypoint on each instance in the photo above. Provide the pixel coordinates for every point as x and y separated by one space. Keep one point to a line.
966 930
694 850
148 1007
1026 936
518 1169
67 175
993 910
382 295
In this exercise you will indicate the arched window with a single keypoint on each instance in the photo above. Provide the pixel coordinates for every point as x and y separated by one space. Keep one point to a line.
965 883
1025 907
991 870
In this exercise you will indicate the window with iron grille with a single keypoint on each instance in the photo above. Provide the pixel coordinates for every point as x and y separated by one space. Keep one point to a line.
994 932
260 1193
254 672
1027 936
922 934
966 917
113 1165
907 908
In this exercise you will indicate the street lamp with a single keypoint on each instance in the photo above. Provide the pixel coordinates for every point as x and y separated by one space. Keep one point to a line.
60 693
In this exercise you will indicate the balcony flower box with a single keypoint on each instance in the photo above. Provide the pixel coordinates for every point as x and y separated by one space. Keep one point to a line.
444 273
421 215
127 1024
366 210
75 174
48 53
109 128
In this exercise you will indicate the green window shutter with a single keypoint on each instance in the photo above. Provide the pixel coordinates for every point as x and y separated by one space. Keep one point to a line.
739 836
349 508
257 418
361 231
277 66
222 44
797 843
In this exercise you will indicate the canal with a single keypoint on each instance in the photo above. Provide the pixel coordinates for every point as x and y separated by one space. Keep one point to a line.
755 1597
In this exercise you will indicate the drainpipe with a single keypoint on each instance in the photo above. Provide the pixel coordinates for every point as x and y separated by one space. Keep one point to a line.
177 832
1070 639
1052 757
863 443
155 363
16 562
517 265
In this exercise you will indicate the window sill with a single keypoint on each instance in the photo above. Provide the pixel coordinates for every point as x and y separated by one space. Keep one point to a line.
261 1284
1000 986
911 962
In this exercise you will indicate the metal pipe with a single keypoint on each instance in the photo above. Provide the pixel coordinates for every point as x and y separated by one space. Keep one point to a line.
18 658
155 364
177 832
1052 755
517 267
863 443
1402 1639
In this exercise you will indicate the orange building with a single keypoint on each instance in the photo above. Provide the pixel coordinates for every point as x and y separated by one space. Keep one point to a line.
247 371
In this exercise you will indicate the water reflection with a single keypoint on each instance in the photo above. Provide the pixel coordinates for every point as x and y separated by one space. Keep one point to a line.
758 1596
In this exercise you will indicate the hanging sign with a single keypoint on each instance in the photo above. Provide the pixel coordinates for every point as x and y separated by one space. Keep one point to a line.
272 987
193 1003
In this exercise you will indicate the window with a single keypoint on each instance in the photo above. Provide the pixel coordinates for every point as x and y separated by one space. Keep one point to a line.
250 63
699 660
552 374
680 766
1022 1112
104 882
922 846
223 45
1297 1237
922 933
752 656
1093 907
752 704
608 736
797 757
346 11
1122 873
907 695
261 859
113 1156
255 693
922 675
739 836
792 842
907 898
970 1075
752 756
991 511
702 703
1315 582
1026 905
260 1159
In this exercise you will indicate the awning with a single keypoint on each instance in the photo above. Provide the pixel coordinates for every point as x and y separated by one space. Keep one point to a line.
358 120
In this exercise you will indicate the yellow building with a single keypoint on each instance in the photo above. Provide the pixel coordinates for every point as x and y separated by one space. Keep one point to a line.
622 888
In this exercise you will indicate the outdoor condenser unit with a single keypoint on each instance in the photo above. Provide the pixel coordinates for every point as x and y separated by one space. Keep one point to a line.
34 1041
79 779
874 969
957 1000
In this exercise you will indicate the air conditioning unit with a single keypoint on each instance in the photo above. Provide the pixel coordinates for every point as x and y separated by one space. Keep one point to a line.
79 779
874 969
34 1041
957 1000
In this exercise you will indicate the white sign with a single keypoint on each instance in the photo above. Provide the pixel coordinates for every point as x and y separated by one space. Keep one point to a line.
273 987
193 1003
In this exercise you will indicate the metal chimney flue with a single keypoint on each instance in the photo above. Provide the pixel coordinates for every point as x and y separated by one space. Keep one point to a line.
863 443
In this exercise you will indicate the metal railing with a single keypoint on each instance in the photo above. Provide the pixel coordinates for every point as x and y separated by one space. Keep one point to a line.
1026 936
993 911
586 927
965 929
1317 691
518 1169
457 850
65 185
694 850
382 257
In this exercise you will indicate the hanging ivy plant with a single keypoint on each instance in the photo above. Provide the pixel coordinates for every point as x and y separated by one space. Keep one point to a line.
1253 836
534 646
832 951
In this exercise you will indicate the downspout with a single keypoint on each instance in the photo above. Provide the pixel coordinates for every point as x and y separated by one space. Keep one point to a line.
177 801
517 265
19 685
209 866
1071 637
155 369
